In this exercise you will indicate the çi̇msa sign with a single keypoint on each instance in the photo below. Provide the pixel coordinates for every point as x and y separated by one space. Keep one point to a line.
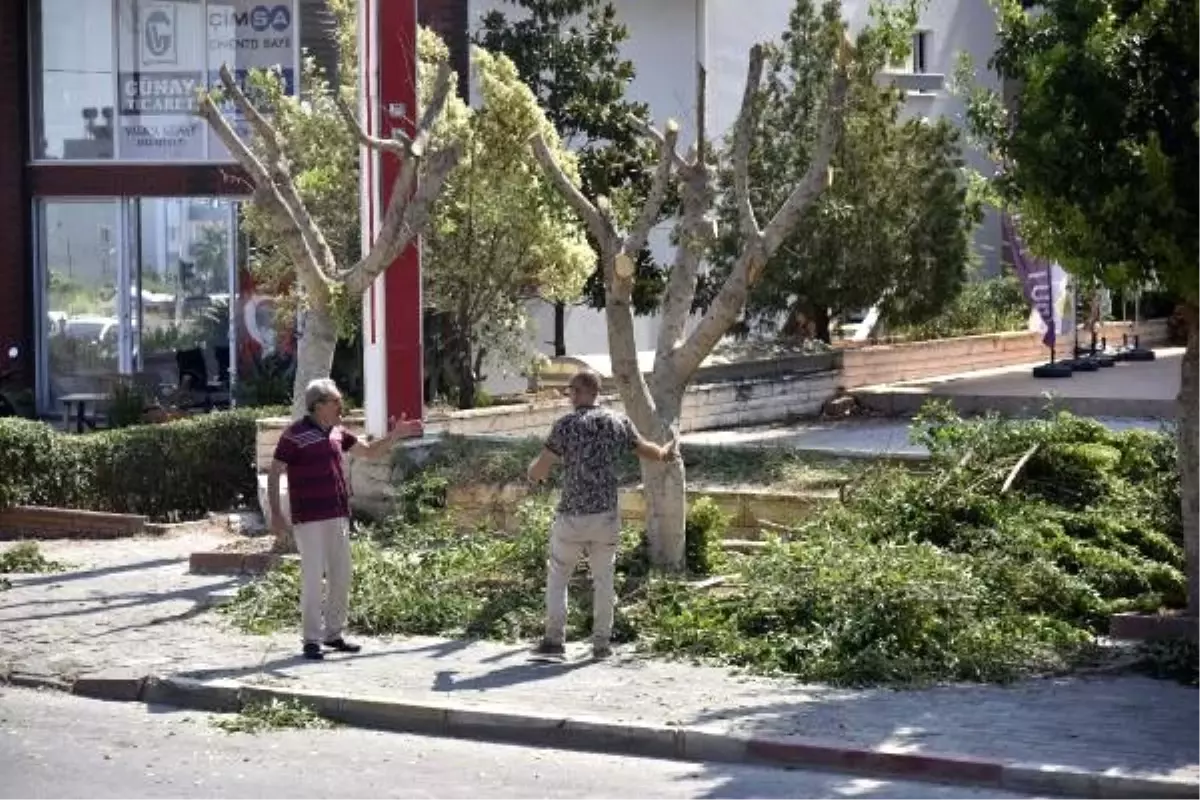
170 49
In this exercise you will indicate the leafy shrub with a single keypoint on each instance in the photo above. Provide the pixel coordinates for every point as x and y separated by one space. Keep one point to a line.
1176 659
992 305
126 404
27 558
182 469
705 528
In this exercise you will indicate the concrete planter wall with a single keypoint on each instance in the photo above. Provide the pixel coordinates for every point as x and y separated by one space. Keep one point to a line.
873 365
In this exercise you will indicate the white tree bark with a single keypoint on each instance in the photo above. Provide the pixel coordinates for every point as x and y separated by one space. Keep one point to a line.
655 406
318 275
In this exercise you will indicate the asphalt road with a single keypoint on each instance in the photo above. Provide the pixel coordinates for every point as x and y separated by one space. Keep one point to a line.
56 745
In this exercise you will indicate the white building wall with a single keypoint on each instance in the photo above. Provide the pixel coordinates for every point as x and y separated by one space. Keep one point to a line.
664 43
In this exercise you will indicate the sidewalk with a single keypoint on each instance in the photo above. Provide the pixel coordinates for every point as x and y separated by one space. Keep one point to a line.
863 438
130 605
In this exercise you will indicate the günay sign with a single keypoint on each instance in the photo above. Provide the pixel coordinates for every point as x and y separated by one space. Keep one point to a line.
171 49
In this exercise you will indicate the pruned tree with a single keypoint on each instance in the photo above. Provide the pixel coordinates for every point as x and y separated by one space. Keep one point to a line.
654 402
331 286
894 226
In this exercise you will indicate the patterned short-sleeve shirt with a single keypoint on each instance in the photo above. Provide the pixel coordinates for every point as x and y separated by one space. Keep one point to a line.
588 440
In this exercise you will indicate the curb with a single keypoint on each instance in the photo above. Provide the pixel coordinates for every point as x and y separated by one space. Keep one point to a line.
457 720
232 563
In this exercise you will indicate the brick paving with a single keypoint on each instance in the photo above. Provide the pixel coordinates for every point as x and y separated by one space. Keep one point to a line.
131 604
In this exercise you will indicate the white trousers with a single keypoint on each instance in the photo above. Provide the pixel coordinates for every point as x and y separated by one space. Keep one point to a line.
597 535
325 577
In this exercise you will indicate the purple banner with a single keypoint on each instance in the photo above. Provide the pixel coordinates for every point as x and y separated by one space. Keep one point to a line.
1035 278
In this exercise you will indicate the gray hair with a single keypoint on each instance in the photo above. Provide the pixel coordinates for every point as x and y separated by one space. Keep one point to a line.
319 391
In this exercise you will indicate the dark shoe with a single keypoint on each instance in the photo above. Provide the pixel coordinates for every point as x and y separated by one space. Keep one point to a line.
550 650
342 646
601 650
312 651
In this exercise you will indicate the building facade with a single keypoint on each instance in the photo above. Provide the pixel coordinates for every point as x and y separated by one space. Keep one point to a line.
118 209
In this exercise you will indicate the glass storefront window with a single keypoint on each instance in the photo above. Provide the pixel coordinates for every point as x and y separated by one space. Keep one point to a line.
138 287
82 274
185 259
118 79
75 98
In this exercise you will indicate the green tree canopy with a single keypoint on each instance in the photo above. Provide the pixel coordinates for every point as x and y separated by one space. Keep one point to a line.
569 53
1100 161
501 235
1099 153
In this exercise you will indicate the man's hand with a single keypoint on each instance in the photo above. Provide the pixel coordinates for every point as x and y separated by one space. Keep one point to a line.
279 525
670 451
404 428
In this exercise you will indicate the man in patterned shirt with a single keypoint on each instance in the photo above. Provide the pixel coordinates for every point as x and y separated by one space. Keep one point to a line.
310 452
587 442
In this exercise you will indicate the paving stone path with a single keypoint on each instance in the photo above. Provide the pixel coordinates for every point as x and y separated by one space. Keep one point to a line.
132 604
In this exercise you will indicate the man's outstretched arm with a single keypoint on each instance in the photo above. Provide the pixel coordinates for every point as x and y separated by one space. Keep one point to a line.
539 468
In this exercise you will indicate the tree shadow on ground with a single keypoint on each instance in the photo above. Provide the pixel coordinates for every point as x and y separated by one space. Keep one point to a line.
124 600
22 582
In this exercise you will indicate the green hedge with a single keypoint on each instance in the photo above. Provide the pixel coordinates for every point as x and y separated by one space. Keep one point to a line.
177 470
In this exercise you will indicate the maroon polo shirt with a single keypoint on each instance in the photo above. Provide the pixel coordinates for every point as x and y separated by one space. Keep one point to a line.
317 487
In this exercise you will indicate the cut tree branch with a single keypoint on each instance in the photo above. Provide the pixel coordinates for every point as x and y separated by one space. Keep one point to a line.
741 145
258 123
652 208
689 253
398 147
649 131
817 177
413 186
757 251
407 214
600 227
266 188
441 90
323 258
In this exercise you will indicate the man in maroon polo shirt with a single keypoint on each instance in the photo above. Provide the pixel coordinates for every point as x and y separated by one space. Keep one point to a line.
311 453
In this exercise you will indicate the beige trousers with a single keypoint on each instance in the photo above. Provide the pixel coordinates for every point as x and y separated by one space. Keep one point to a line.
598 535
325 577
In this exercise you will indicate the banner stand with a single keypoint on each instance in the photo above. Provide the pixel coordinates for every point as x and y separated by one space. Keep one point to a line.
1136 353
1037 283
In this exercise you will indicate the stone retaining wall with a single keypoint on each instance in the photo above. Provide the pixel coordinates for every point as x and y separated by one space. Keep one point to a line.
749 511
706 406
873 365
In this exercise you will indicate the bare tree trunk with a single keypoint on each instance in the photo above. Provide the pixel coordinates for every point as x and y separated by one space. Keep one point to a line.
560 329
665 485
666 513
1189 452
314 355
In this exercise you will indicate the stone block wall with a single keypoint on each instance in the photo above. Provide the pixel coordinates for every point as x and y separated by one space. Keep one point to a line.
705 407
